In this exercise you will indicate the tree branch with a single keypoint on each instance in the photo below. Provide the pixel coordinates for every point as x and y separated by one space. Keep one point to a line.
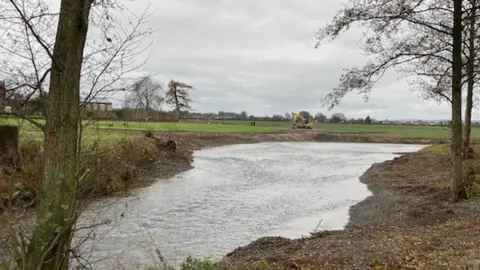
32 30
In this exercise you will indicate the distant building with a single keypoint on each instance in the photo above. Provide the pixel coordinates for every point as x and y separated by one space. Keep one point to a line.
97 110
98 106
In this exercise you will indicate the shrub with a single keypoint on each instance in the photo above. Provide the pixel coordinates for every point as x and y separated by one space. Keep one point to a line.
110 169
103 170
473 188
197 264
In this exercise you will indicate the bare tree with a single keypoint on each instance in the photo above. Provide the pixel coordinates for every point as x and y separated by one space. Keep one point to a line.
398 37
111 52
435 77
145 93
338 118
320 117
178 95
472 49
244 115
50 244
368 120
50 57
457 188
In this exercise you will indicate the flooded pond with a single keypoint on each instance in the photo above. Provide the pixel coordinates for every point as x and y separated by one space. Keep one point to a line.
234 195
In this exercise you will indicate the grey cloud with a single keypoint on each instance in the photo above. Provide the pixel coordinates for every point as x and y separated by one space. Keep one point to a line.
257 55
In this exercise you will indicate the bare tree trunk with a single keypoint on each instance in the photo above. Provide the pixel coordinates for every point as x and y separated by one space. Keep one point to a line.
147 104
177 103
50 244
9 153
456 184
80 132
470 77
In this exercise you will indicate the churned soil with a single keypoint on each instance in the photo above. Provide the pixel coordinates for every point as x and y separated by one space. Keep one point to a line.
408 223
196 140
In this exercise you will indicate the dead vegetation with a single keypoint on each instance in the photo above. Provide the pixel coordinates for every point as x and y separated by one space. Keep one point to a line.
105 170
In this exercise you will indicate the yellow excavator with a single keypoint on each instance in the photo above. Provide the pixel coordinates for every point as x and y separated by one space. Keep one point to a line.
301 122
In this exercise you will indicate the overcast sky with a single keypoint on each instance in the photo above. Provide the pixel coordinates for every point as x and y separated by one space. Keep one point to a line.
258 56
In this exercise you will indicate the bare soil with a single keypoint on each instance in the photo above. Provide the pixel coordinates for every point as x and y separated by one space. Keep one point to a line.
195 141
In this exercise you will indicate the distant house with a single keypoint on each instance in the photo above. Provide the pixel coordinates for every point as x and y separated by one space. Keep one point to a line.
97 106
97 110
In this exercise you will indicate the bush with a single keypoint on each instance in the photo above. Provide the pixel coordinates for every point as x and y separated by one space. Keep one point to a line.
26 181
197 264
471 174
111 168
473 188
103 170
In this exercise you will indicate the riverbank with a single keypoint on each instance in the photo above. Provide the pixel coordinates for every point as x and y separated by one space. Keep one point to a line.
138 161
110 169
196 141
279 251
408 223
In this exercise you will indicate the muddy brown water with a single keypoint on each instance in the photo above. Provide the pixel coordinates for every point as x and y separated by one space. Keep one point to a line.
234 195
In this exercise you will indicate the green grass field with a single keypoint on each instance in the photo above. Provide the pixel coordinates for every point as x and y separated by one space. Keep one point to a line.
428 132
114 130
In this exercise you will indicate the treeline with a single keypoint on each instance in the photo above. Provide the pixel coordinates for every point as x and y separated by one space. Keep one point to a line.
319 117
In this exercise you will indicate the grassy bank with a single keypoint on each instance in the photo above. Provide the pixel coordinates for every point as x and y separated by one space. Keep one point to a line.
105 168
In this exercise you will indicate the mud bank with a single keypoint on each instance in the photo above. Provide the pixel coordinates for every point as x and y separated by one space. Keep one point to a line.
195 141
408 223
